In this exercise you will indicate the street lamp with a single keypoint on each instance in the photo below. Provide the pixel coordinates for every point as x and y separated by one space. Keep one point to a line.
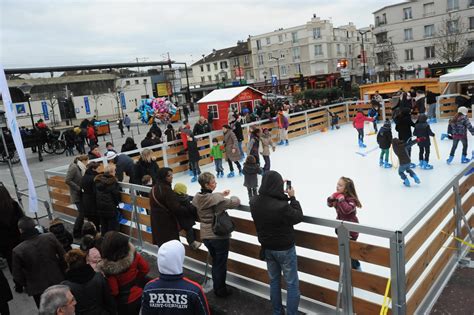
363 53
389 74
278 65
26 89
3 124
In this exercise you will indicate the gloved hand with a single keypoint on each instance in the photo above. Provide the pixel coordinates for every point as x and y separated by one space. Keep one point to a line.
420 139
340 198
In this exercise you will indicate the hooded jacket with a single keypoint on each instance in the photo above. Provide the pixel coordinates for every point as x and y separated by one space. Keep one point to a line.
64 236
208 204
267 142
403 124
172 293
125 164
274 214
122 276
346 210
359 120
384 137
231 143
107 195
88 193
250 175
90 290
73 180
423 130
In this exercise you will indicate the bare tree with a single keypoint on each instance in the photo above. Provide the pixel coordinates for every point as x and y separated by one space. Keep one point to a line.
96 97
450 41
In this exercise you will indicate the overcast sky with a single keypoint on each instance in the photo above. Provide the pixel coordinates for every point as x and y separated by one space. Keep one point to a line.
35 33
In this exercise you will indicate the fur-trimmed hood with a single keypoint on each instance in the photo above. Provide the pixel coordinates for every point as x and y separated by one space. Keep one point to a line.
109 267
104 180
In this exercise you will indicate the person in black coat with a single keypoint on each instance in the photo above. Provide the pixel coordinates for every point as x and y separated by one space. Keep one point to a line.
11 212
187 219
155 129
90 289
88 193
193 157
403 125
170 133
237 129
107 194
384 139
150 140
423 130
146 165
5 294
129 145
251 169
63 236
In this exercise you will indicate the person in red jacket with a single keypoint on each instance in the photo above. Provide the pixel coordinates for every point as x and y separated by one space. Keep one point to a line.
358 124
91 135
345 201
124 268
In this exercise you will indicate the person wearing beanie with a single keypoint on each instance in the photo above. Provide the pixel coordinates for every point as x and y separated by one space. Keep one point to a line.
123 164
423 130
459 125
172 293
384 139
64 237
188 218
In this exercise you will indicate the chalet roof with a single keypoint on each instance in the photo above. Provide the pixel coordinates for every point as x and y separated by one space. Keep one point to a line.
221 95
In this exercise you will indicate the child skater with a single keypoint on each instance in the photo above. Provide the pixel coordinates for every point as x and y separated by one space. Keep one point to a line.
187 219
374 113
216 155
251 170
358 124
400 148
194 157
423 130
460 124
346 202
334 120
384 139
267 142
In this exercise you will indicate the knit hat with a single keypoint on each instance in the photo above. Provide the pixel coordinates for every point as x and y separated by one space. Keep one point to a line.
180 189
463 110
110 155
387 124
171 258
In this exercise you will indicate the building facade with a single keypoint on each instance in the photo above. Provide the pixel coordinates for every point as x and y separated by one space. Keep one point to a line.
412 34
310 54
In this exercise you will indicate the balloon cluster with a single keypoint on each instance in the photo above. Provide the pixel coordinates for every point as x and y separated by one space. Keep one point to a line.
159 108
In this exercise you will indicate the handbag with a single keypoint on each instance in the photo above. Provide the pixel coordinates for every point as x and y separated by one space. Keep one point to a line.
222 224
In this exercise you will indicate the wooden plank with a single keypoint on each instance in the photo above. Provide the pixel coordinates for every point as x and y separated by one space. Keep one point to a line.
466 185
56 182
125 198
297 126
428 227
322 120
174 149
180 168
468 204
203 142
178 159
296 134
370 253
142 218
316 114
143 202
428 254
64 209
60 197
317 128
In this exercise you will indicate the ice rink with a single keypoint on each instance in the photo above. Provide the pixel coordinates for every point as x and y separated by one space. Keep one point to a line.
314 163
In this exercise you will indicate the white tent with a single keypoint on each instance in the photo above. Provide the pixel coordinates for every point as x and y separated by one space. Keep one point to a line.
464 74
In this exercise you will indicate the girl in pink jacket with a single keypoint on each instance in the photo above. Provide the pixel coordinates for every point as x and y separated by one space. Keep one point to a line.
358 124
346 202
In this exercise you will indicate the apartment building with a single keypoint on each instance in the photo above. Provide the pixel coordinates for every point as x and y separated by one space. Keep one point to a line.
411 34
312 50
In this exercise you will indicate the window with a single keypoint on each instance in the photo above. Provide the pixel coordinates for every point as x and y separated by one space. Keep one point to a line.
408 54
298 68
283 70
428 9
453 5
470 43
270 56
452 46
215 66
202 68
271 72
471 3
260 59
377 20
127 82
137 82
236 61
282 54
381 37
294 37
259 44
380 58
452 26
429 30
296 53
429 52
318 50
384 19
316 32
216 77
224 64
338 49
214 110
408 34
234 107
280 38
471 23
209 78
407 14
246 59
268 40
203 79
350 49
144 81
208 66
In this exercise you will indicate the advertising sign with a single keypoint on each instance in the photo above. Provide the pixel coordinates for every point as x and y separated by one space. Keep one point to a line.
20 109
44 107
86 105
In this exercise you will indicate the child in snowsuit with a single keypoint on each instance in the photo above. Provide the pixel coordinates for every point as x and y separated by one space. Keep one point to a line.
423 130
346 202
187 220
64 236
384 139
400 148
216 155
251 170
460 124
358 124
194 157
267 142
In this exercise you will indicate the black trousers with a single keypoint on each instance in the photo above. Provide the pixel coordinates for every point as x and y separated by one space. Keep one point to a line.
455 145
424 152
231 167
252 191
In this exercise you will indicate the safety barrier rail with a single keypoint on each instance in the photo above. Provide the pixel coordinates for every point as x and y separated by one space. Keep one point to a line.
446 106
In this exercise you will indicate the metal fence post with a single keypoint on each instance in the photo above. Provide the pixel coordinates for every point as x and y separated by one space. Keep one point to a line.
397 273
458 215
165 155
384 113
306 121
438 109
138 128
136 218
347 113
346 265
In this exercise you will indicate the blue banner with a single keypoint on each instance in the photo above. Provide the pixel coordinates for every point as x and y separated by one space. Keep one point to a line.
44 106
86 104
122 100
20 109
274 80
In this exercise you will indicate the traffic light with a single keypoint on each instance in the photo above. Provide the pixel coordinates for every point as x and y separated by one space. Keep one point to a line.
343 63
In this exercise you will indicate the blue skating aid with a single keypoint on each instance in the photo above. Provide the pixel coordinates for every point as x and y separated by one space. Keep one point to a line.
126 206
470 172
364 154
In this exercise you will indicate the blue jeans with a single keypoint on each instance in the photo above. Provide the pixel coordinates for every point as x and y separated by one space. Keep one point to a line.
219 251
218 164
283 261
405 168
239 144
